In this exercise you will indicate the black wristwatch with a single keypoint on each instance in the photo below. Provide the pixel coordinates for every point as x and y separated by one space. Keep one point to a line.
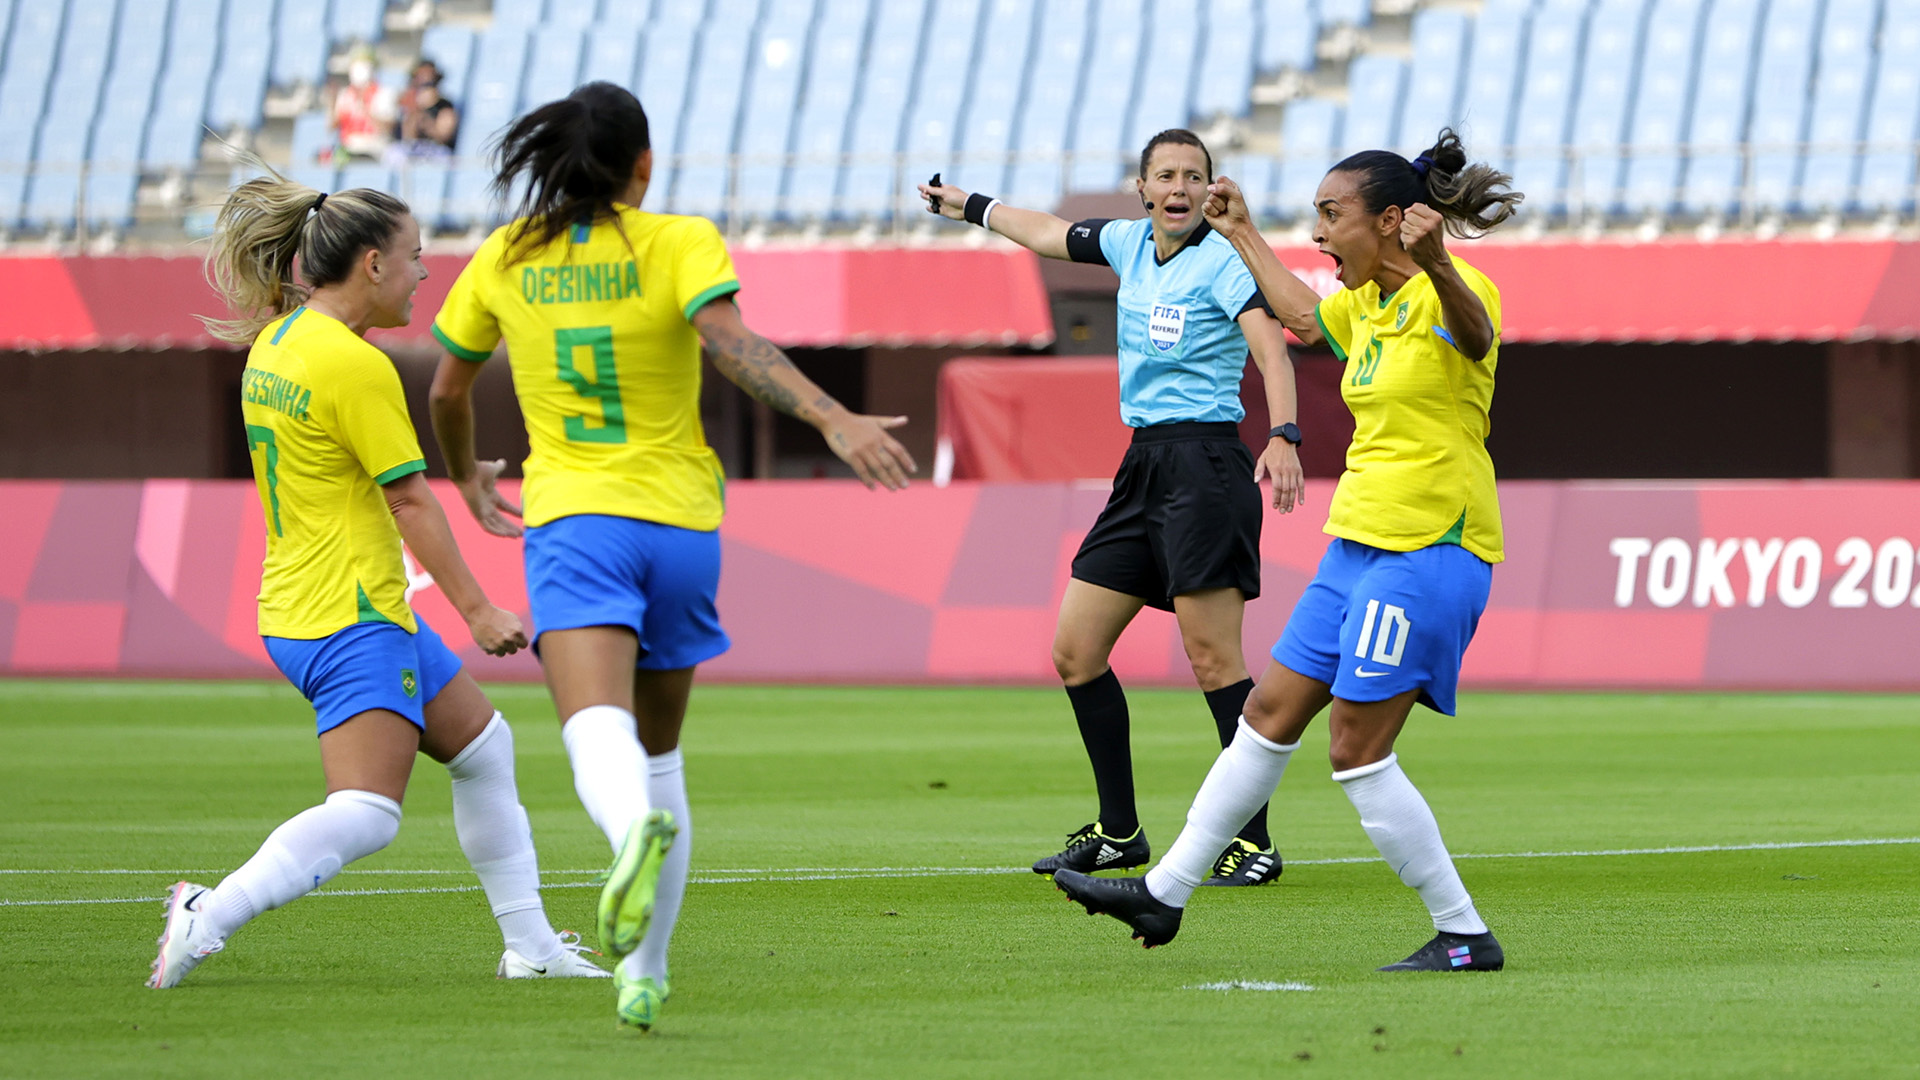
1289 432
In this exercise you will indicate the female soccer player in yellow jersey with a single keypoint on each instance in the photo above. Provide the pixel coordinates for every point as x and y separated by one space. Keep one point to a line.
341 484
603 308
1416 527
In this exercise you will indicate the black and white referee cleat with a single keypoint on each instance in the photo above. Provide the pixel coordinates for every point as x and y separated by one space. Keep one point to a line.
1455 952
1244 864
1127 899
1089 849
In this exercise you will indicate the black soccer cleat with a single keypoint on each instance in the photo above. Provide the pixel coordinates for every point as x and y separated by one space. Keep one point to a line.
1455 952
1126 899
1244 864
1088 849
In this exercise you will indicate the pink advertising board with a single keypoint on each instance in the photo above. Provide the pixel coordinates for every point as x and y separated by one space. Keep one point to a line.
1754 585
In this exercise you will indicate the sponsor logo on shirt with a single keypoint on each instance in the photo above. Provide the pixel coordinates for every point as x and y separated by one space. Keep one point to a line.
1166 323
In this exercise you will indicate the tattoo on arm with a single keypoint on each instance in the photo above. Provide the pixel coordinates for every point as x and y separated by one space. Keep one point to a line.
750 361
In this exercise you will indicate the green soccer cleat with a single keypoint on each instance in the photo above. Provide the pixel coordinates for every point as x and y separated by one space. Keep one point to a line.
626 901
640 999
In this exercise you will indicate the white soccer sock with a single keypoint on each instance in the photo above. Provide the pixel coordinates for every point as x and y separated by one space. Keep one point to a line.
303 854
609 768
1402 827
1241 781
667 783
498 840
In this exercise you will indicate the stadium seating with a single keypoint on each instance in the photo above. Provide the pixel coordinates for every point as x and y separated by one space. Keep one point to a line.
1311 133
1893 119
1099 150
1609 68
1845 68
1712 183
1433 78
1538 159
827 102
1781 98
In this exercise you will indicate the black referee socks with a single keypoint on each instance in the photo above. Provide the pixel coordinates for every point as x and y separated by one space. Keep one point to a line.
1226 704
1100 708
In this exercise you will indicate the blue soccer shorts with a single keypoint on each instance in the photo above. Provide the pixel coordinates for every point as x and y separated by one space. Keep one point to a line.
657 580
1374 624
367 666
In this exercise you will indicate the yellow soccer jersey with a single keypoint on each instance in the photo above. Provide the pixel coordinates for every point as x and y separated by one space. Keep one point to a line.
326 426
605 362
1418 472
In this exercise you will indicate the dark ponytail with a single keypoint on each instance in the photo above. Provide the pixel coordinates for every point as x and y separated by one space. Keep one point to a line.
1473 198
576 156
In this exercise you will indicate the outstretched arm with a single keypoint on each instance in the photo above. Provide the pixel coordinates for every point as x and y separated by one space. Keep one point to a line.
1036 230
757 366
1293 300
450 403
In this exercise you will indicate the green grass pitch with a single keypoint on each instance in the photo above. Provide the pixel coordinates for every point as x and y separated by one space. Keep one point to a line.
798 956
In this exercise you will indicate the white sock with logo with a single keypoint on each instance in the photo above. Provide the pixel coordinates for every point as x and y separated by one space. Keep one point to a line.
498 840
609 768
667 783
1241 781
1401 826
303 854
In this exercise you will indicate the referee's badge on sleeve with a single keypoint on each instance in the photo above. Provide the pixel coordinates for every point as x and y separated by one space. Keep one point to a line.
1165 326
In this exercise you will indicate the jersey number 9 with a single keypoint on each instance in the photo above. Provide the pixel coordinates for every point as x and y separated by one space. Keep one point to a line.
604 385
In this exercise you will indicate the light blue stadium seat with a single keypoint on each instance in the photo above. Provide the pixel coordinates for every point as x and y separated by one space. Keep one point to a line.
939 99
1308 134
689 13
575 14
1782 89
240 84
111 192
1374 86
1433 78
625 15
1053 78
522 14
1893 118
773 96
1667 69
1165 98
52 197
701 183
613 52
370 175
1101 158
1351 12
1289 31
180 99
311 136
73 98
1721 100
1493 77
469 199
1838 117
886 81
987 127
450 47
1609 72
553 66
1226 66
1255 174
423 184
820 135
1540 127
32 47
300 43
494 91
356 20
664 71
321 178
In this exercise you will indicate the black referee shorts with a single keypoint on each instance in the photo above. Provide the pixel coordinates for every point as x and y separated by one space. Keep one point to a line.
1184 516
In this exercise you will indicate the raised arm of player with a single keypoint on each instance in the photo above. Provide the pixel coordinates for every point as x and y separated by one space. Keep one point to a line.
757 366
1293 300
423 525
1280 460
450 403
1036 230
1423 234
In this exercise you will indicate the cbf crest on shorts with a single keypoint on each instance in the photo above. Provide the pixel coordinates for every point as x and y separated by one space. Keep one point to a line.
1166 324
409 682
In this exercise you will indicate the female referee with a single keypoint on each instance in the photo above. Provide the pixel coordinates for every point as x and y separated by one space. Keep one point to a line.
1181 531
604 309
341 484
1416 527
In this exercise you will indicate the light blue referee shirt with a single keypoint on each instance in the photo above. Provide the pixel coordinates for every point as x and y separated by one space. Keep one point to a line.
1181 349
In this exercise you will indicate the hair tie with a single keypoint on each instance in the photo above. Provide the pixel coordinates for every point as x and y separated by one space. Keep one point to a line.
315 208
1420 166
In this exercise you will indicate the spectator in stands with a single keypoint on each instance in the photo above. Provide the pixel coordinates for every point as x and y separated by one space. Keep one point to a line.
361 112
1181 531
428 122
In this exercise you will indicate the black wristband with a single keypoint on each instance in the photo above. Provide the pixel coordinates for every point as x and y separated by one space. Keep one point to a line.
1289 432
976 211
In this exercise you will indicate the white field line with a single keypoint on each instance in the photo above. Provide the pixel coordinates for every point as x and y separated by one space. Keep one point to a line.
857 873
1242 984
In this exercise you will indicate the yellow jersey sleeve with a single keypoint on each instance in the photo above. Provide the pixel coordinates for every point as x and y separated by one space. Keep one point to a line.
466 327
703 271
368 416
1335 316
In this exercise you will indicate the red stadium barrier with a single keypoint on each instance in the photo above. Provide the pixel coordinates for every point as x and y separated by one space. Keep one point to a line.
1734 585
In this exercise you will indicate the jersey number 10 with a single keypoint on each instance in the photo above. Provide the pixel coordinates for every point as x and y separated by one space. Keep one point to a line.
604 385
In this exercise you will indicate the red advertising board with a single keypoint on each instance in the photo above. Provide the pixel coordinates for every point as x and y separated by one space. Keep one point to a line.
1727 585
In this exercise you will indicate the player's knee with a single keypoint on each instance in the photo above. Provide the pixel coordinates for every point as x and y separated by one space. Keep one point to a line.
1214 668
1352 753
1074 663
